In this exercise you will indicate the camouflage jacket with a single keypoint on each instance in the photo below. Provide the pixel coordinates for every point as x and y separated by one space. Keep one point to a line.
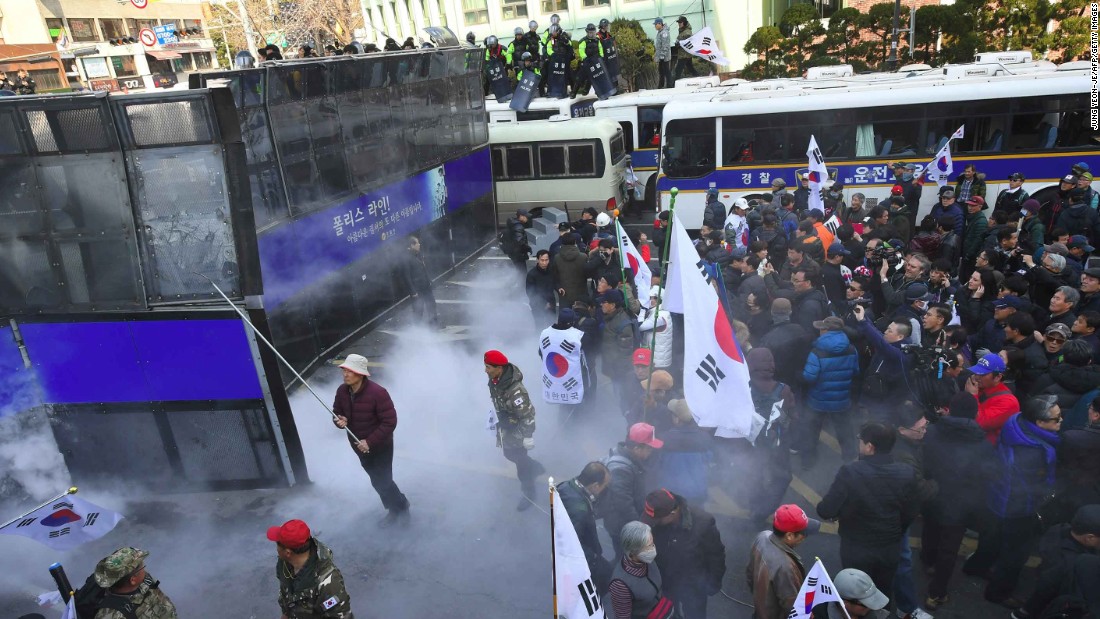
147 601
515 412
317 591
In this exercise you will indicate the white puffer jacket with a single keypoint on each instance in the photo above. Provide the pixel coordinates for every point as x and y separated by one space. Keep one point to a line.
662 347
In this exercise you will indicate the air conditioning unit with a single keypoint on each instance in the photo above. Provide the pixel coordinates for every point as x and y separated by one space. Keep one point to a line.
1003 57
829 72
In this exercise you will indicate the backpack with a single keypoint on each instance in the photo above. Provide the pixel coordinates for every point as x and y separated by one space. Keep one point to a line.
91 598
763 402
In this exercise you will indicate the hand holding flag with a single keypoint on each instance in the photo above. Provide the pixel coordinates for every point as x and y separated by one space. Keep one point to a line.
817 175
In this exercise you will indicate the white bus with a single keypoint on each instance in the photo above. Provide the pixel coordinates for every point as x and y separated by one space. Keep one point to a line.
541 108
1035 122
568 163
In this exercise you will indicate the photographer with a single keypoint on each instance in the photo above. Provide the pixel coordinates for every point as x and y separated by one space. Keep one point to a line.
856 295
1007 257
884 380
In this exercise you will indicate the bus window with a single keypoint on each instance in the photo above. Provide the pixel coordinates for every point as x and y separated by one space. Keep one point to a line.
690 147
618 151
649 127
833 130
1075 126
497 156
897 130
582 160
628 136
749 138
551 161
518 161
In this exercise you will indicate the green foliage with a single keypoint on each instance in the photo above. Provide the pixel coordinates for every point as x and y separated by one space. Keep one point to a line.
765 41
635 53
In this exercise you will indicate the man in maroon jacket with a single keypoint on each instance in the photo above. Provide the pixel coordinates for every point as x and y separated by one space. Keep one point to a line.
365 407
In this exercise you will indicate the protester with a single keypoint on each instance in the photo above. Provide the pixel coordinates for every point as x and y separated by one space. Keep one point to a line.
690 553
310 584
514 421
775 571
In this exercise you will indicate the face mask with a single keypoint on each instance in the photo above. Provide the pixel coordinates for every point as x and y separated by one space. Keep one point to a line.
647 556
906 177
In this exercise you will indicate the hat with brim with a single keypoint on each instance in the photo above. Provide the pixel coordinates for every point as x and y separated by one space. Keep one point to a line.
988 364
357 364
852 584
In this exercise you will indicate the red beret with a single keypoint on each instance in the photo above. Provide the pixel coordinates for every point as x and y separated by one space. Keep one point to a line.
495 357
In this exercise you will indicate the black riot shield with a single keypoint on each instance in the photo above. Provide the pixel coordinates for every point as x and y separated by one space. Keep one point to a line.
526 89
557 81
498 80
597 74
611 60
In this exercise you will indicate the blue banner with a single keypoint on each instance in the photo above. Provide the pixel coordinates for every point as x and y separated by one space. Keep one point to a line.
297 254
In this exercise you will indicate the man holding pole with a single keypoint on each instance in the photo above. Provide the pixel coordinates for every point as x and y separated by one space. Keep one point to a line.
364 407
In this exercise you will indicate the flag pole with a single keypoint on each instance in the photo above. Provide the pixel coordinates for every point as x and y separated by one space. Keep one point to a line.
818 560
277 354
619 232
663 265
72 490
553 549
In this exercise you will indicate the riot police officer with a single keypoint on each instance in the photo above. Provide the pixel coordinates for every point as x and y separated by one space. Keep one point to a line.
590 48
517 48
494 51
610 54
551 44
471 39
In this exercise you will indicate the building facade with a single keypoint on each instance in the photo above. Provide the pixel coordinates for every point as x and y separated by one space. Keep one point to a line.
107 45
732 21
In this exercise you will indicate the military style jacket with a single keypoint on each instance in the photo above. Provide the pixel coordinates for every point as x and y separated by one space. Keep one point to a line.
316 592
145 602
515 412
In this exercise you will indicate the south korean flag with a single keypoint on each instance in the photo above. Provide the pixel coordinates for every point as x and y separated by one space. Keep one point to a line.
563 365
65 523
704 45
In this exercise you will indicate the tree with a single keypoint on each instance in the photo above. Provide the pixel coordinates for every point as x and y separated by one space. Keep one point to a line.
299 22
765 42
1071 40
842 37
933 21
801 25
636 51
879 21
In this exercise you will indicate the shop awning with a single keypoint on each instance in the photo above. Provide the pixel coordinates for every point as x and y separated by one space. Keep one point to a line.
159 55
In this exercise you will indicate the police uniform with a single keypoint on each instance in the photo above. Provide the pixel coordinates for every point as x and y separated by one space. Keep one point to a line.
315 592
145 602
515 425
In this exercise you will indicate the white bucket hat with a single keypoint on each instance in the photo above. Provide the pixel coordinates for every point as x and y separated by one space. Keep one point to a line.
357 364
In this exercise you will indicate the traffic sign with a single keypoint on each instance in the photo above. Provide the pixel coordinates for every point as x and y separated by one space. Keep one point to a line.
148 38
141 4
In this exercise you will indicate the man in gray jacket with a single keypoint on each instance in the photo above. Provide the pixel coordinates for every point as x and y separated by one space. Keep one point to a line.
662 54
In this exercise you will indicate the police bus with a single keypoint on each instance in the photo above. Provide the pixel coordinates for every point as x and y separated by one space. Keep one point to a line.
1032 118
568 163
541 109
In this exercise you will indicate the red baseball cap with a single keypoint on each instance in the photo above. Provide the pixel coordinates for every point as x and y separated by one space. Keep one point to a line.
896 190
644 434
643 356
293 534
792 519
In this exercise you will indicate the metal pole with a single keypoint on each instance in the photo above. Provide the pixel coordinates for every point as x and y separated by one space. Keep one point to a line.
912 30
892 61
553 549
663 265
71 490
249 32
277 354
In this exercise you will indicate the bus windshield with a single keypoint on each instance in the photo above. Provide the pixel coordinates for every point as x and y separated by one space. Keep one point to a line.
689 147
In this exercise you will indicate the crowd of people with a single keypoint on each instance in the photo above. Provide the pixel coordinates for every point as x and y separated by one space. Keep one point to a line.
21 84
955 357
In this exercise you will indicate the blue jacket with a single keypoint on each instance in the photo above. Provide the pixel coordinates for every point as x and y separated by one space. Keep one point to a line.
1028 458
832 365
952 211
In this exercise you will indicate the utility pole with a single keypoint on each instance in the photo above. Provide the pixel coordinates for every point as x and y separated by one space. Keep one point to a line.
892 61
249 32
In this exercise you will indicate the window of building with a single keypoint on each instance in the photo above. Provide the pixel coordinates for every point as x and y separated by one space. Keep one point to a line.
193 27
475 12
202 61
137 25
83 29
46 79
591 3
112 28
513 9
554 6
56 27
96 67
124 66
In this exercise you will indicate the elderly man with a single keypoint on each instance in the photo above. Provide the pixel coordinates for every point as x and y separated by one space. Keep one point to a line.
310 584
689 551
513 421
131 591
579 496
775 571
364 407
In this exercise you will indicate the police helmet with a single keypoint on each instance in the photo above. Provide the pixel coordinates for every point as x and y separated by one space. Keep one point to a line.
526 56
590 28
565 36
490 41
554 19
244 60
533 25
555 29
471 37
604 24
518 31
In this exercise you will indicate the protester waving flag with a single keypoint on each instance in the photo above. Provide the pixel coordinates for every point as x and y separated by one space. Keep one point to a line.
64 523
716 378
643 278
817 175
941 168
704 45
817 589
577 597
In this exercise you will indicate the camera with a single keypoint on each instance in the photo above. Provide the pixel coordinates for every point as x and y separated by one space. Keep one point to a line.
865 303
884 252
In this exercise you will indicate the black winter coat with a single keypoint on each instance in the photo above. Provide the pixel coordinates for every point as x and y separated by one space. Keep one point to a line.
624 499
961 461
415 274
568 268
514 243
875 500
1068 382
790 344
1079 457
690 553
582 513
1058 551
540 288
1027 361
809 307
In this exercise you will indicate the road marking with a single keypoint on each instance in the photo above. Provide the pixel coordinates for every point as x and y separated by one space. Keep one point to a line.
726 505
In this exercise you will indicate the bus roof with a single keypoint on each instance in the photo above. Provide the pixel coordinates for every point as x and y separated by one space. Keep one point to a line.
901 92
546 130
540 104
